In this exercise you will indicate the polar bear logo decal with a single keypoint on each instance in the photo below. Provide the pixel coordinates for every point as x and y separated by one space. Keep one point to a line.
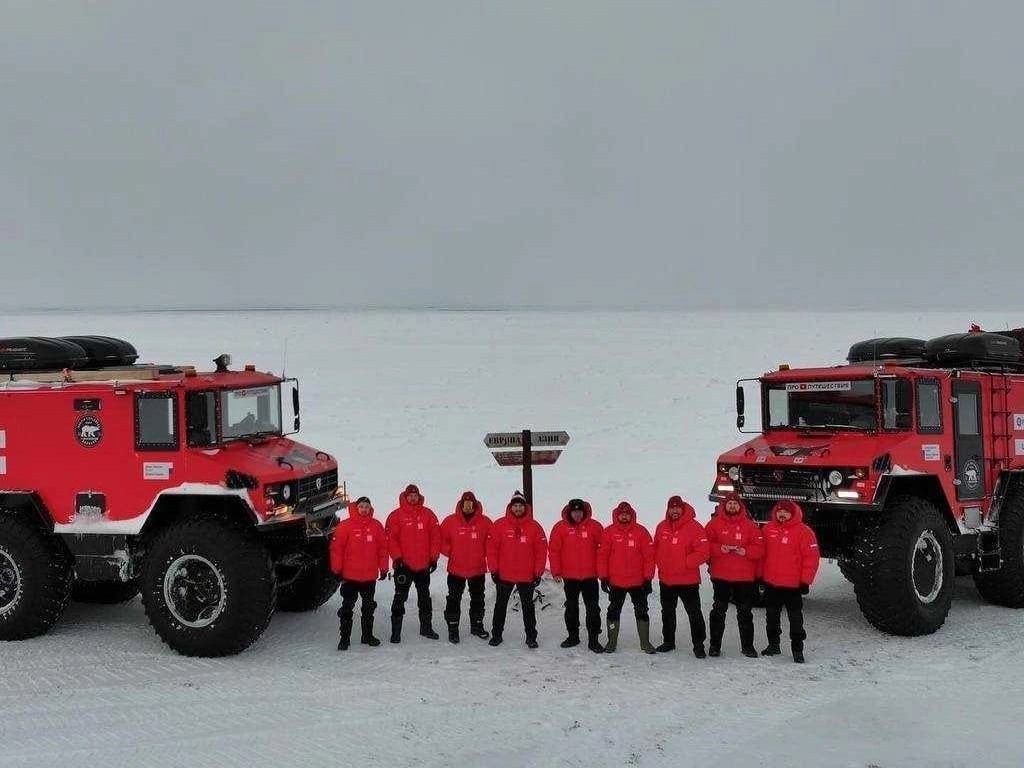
972 475
89 431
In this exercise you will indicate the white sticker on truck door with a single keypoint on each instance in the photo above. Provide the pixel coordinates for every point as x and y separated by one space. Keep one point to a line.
157 470
1019 447
931 452
3 438
1018 423
3 465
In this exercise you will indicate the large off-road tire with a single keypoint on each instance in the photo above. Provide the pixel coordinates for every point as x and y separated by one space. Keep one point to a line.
906 579
104 592
35 579
849 568
208 586
313 587
1006 586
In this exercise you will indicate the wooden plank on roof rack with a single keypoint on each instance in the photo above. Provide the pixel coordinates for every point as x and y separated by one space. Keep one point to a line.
122 373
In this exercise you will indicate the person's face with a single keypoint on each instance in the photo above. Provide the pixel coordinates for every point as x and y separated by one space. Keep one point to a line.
412 498
732 507
519 509
625 517
576 515
468 507
783 515
364 508
674 513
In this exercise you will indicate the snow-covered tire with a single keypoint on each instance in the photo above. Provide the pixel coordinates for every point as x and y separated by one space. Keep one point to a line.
848 567
35 579
310 589
906 579
1005 587
208 586
104 592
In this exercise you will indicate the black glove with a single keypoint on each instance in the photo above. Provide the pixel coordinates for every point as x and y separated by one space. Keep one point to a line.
399 565
805 589
604 586
433 566
383 575
648 587
536 582
494 578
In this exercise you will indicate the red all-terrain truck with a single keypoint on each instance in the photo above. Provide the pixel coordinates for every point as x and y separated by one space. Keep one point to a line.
118 478
909 462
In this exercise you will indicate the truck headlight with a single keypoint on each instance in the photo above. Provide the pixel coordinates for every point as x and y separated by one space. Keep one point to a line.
734 473
279 493
835 477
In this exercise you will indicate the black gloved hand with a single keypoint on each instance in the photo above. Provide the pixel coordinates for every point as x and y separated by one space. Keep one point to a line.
648 587
805 589
433 566
604 586
536 582
399 565
494 578
383 574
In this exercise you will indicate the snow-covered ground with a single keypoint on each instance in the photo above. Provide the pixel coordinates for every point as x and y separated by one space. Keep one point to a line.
408 396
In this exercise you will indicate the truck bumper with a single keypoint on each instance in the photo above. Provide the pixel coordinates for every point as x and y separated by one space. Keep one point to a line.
320 519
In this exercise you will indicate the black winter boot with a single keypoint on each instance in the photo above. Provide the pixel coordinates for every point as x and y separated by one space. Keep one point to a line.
495 641
643 629
798 653
453 633
613 637
750 652
698 651
531 642
772 649
367 636
594 642
477 630
571 641
396 629
666 647
344 633
427 626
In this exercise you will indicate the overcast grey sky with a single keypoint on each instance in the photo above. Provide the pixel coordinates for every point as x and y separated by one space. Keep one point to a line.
496 154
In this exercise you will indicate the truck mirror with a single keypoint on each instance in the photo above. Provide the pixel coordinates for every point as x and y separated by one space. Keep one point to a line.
739 403
295 406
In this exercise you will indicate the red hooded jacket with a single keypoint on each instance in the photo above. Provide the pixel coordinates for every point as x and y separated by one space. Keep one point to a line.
573 547
414 535
464 540
517 549
359 547
739 531
680 547
626 557
791 554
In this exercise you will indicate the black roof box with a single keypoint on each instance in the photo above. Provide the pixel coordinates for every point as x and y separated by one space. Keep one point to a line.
38 353
974 347
105 351
889 348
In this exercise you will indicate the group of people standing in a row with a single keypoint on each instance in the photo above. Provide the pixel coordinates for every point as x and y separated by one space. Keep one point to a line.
620 559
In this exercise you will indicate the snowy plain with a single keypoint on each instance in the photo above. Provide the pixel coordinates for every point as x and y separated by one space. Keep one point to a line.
406 397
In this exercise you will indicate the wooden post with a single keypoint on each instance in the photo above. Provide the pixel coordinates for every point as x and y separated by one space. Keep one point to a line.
527 467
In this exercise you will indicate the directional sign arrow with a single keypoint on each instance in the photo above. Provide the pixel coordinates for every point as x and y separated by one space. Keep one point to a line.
537 439
515 458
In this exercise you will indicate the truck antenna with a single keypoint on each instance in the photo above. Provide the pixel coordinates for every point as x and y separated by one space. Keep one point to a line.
284 358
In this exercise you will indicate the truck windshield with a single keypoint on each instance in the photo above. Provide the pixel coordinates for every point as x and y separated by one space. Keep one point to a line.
250 412
821 405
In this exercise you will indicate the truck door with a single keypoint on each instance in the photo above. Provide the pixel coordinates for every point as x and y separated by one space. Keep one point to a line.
968 440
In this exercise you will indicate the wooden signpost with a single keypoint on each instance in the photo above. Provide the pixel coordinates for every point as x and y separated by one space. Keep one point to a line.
526 456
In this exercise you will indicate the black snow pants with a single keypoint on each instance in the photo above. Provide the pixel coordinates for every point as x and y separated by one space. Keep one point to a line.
775 598
689 595
453 606
617 598
588 589
404 580
504 593
743 593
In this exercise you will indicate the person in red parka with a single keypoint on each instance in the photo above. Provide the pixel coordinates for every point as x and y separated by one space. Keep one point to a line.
464 542
573 548
735 545
414 538
680 549
517 552
359 557
625 565
791 561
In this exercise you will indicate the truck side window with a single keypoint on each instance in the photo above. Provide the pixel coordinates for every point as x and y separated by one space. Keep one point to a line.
929 408
201 418
156 423
896 399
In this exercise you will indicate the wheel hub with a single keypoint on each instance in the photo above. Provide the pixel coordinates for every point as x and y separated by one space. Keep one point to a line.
194 591
10 582
927 567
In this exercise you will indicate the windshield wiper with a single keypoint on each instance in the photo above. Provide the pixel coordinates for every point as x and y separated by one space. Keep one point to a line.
830 428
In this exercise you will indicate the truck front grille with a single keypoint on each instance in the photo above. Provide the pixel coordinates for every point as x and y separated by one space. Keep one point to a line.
316 486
